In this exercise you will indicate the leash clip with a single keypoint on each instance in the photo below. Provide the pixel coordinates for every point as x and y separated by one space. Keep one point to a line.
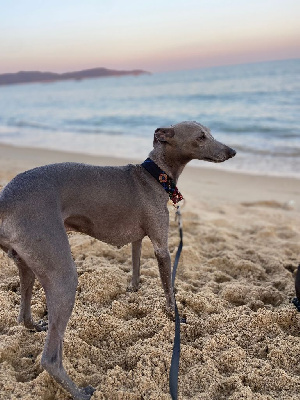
178 216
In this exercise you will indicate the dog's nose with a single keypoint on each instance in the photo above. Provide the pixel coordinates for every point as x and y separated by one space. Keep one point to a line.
232 152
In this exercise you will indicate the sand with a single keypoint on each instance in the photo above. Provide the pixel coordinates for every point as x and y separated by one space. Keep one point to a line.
234 285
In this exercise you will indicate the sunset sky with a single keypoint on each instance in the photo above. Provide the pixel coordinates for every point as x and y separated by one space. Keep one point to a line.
156 35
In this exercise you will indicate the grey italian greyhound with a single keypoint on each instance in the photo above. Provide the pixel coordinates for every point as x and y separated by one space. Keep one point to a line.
117 205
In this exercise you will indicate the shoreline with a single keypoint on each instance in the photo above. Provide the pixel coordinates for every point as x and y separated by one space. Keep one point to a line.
113 150
197 183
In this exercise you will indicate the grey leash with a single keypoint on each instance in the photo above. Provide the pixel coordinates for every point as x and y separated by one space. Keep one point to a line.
174 369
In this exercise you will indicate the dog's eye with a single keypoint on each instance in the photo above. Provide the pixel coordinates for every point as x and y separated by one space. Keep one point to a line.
201 137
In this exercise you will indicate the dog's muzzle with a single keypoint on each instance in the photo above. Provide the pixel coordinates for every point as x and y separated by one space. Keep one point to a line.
231 153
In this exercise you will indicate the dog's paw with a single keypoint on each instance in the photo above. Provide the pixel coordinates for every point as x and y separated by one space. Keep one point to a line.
170 312
132 288
40 326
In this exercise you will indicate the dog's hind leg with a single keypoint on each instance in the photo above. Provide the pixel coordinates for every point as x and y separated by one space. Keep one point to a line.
27 279
60 294
60 287
51 261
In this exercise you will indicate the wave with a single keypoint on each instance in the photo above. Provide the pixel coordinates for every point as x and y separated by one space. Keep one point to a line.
283 152
244 94
127 120
255 129
30 124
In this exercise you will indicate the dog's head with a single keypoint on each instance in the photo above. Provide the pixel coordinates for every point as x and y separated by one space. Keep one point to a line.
191 140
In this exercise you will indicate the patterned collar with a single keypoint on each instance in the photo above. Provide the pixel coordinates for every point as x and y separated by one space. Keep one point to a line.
167 183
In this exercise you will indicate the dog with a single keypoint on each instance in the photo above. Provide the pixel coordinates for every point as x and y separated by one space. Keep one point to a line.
117 205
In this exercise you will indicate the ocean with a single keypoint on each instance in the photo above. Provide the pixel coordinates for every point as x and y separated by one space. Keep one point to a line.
253 108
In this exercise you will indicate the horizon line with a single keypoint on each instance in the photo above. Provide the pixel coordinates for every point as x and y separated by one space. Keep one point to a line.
157 72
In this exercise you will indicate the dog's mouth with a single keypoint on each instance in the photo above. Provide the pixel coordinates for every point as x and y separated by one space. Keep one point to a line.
214 160
230 154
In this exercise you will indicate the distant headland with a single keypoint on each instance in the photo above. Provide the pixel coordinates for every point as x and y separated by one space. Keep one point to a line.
36 76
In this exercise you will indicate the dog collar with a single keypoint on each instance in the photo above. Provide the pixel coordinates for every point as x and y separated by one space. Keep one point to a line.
167 183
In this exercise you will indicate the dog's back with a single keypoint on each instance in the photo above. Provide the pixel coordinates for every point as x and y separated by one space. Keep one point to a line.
103 202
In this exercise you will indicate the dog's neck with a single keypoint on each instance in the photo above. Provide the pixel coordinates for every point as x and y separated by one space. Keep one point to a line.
169 163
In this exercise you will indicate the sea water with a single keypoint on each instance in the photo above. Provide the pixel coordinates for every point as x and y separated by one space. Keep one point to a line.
254 108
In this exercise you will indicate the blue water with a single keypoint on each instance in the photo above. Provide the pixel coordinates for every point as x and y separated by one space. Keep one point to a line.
253 108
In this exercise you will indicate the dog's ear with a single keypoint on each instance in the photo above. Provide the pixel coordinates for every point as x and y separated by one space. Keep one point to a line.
163 135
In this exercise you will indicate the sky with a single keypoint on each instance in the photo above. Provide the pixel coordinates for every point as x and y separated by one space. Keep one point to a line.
155 35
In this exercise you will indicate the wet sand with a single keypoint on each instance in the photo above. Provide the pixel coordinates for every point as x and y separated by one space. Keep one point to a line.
234 285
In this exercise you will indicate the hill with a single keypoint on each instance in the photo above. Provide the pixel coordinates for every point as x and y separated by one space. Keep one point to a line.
37 76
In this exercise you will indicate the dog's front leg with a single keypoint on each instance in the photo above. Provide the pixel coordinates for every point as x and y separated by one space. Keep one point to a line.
136 255
158 234
164 264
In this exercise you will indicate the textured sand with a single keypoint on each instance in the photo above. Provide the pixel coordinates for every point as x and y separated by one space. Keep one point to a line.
234 284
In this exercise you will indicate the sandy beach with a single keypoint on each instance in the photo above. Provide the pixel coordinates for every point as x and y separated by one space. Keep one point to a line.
234 285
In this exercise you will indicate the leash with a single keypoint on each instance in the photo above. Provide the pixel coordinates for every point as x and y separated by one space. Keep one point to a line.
174 369
175 196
